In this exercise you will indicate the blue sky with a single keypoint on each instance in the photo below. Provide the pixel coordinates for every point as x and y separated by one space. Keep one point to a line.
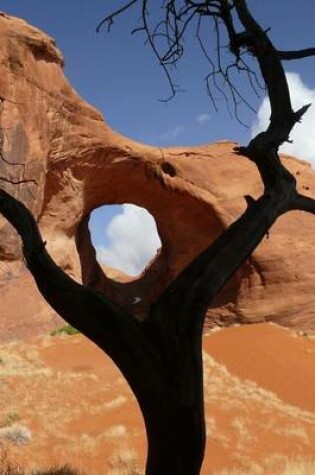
119 75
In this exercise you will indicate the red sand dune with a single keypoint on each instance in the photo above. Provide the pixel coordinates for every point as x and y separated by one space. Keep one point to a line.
272 356
259 382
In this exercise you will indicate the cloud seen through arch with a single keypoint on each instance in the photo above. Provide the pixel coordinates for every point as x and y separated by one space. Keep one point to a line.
133 240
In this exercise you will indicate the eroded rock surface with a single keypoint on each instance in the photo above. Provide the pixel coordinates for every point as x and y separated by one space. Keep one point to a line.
66 162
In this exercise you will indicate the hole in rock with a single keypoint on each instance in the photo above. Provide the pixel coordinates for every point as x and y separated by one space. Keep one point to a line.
168 169
125 237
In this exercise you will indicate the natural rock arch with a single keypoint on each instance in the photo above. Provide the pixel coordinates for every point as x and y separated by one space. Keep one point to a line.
169 208
79 163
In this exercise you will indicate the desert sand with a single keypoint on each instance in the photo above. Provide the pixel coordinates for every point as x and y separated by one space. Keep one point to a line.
260 409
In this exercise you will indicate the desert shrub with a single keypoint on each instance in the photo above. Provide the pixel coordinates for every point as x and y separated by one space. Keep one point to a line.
16 434
65 330
124 462
10 419
65 470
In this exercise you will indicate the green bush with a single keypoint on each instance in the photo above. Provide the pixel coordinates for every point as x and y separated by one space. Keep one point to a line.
10 419
65 330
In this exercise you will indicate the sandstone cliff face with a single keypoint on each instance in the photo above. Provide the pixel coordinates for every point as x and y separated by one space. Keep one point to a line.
66 162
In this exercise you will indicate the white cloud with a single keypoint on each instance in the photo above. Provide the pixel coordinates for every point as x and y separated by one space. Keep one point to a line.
173 133
203 118
134 240
303 135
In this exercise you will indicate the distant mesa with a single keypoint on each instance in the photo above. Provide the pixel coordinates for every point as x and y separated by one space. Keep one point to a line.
73 162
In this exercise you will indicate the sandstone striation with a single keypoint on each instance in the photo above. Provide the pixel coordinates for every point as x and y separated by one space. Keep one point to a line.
65 161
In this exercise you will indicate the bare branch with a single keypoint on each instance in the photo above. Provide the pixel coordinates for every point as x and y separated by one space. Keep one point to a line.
270 65
179 15
304 203
110 18
199 282
274 136
298 54
177 18
84 308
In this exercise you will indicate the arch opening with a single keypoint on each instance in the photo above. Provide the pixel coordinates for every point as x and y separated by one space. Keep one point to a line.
125 237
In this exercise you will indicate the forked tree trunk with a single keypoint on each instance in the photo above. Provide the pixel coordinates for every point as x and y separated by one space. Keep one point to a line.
161 357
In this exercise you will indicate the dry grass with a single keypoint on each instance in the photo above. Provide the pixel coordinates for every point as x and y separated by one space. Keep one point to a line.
250 431
253 470
7 467
300 467
125 462
235 393
19 361
117 402
245 438
116 431
279 466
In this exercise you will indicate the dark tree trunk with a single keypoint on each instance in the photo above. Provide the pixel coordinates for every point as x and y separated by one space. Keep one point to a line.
174 415
176 438
160 357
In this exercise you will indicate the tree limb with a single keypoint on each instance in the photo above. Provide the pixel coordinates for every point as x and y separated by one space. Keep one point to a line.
110 18
97 317
304 203
271 69
297 54
200 281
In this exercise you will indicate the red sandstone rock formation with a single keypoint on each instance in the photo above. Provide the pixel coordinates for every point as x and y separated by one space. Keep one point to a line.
72 163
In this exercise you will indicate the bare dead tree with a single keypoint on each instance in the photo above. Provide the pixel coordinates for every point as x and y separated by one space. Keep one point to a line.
161 356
